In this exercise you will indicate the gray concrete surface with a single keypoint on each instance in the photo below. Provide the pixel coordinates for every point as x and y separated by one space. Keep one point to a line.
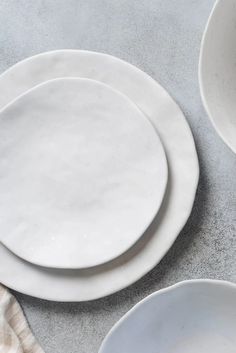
162 37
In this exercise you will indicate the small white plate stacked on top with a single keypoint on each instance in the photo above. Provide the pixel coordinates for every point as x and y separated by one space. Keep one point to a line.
84 175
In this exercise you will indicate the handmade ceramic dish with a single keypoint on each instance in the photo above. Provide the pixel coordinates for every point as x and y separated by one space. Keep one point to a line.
217 70
168 120
83 174
189 317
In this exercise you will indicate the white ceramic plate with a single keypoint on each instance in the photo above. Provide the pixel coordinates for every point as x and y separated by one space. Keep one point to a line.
167 118
197 316
217 70
83 174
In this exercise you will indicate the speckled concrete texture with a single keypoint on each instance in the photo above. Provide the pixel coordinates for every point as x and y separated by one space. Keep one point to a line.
163 39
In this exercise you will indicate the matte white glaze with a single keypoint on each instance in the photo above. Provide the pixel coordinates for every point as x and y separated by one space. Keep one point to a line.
217 70
168 120
189 317
83 174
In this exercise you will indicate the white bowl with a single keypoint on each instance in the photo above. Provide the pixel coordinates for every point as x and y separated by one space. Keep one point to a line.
197 316
217 70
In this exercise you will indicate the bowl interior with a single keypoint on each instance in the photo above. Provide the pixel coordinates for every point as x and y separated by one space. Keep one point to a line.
217 70
190 318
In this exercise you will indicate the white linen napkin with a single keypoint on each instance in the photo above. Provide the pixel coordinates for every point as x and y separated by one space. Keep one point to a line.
15 334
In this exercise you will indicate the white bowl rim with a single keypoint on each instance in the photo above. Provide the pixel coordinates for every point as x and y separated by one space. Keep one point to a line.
201 84
217 282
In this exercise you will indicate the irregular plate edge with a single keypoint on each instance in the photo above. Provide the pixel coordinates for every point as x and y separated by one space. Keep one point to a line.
188 212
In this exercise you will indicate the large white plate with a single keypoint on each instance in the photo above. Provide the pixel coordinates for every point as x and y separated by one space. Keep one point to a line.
217 70
83 174
189 317
167 118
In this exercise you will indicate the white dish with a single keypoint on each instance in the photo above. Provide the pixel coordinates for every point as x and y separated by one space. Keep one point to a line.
217 70
189 317
83 174
167 118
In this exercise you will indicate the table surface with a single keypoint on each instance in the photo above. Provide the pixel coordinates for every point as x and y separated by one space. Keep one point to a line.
163 39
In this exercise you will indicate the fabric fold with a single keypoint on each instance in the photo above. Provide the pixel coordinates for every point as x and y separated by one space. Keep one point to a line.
15 334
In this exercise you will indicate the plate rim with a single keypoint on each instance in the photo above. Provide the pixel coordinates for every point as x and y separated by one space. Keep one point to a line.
73 297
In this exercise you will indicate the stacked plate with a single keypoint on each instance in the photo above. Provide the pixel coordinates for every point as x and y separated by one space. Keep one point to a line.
98 174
